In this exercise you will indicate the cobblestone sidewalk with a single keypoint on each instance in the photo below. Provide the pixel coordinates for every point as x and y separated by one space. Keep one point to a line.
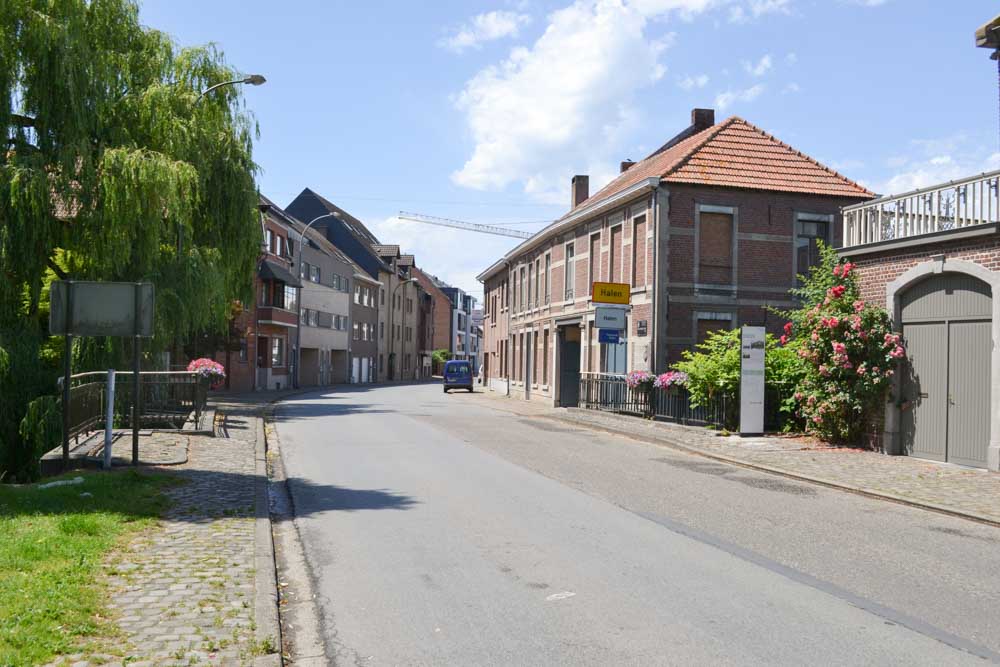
949 488
183 593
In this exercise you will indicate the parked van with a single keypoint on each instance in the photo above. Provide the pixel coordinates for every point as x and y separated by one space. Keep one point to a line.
457 375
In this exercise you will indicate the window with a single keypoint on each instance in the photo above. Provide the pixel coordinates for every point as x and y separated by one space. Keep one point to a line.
291 298
357 331
538 279
277 352
357 294
304 270
639 251
304 316
548 278
269 240
715 247
277 245
314 274
522 297
244 350
569 270
707 322
382 293
313 318
531 279
595 257
614 255
381 330
545 357
809 230
396 332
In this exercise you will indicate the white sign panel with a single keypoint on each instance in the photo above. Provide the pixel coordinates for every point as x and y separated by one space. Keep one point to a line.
752 380
609 318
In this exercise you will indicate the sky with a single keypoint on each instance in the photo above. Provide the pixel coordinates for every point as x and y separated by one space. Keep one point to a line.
483 111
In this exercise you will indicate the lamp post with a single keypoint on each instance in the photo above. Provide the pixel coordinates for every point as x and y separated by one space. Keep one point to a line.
392 310
253 80
298 272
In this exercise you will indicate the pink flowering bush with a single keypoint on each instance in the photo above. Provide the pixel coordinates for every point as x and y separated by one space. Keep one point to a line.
640 380
211 371
848 348
670 379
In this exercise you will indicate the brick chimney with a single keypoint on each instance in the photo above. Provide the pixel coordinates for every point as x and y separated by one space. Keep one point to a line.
702 119
580 189
625 166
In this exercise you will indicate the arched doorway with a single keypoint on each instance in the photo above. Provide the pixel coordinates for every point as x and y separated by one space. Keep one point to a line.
945 390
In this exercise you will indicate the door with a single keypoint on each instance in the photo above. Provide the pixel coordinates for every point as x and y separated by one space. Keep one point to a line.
528 354
946 382
355 370
925 413
569 366
364 369
969 346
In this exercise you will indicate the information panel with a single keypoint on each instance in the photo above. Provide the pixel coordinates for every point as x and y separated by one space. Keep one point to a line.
752 381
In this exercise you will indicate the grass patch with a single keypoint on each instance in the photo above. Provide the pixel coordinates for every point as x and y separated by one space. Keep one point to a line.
52 546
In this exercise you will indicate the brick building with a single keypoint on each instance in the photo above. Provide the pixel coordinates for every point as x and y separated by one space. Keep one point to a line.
707 231
932 258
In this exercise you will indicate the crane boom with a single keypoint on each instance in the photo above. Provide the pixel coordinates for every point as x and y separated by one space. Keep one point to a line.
467 226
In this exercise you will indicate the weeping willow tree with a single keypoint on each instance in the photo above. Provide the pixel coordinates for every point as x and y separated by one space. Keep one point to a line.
113 168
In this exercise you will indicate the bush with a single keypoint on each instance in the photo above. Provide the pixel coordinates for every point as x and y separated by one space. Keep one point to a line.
849 351
714 372
40 431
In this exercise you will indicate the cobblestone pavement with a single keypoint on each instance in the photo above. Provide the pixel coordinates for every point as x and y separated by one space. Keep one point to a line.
952 488
154 449
183 592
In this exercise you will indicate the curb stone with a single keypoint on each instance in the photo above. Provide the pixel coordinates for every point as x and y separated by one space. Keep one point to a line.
267 628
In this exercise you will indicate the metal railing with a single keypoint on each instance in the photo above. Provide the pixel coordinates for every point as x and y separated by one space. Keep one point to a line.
167 399
610 393
949 206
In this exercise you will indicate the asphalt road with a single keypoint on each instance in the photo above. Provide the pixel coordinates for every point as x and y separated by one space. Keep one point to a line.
441 530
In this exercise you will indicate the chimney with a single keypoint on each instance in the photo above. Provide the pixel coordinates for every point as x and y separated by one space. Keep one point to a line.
580 189
626 165
702 119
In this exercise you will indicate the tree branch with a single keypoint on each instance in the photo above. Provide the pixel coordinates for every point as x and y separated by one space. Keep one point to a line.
22 121
56 270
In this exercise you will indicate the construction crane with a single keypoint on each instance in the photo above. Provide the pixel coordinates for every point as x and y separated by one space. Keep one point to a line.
467 226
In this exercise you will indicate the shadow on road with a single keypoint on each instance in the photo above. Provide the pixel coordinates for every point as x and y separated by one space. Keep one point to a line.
316 498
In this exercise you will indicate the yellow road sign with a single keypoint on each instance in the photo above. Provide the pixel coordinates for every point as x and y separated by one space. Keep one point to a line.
611 293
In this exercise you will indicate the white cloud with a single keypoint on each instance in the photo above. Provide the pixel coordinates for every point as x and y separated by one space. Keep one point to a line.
759 68
564 104
728 98
485 28
790 87
689 82
791 58
756 8
934 161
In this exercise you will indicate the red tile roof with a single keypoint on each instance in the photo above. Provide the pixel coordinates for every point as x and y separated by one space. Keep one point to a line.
736 154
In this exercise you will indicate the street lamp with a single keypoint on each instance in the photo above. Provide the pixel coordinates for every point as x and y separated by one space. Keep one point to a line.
253 80
298 272
392 310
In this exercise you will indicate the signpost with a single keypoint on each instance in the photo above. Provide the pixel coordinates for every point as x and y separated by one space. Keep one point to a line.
752 380
609 336
619 293
607 317
83 308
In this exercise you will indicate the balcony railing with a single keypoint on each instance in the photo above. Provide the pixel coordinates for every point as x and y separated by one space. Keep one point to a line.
959 204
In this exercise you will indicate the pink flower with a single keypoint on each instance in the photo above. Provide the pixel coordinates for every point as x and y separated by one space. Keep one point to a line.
815 336
798 396
859 306
839 348
788 328
783 340
823 370
811 400
847 269
832 322
862 370
817 419
898 352
837 291
836 270
848 365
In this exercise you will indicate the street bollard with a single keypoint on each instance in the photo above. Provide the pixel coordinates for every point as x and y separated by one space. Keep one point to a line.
109 418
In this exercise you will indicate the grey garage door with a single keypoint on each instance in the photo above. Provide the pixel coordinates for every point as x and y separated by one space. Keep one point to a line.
946 384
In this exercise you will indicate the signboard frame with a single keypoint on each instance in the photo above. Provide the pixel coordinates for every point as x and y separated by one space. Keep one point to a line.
609 317
609 336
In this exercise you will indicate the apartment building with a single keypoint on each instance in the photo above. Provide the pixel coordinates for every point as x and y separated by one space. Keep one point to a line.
708 231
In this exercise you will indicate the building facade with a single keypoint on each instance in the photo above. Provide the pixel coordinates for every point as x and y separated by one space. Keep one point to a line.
932 258
274 327
364 328
438 317
708 232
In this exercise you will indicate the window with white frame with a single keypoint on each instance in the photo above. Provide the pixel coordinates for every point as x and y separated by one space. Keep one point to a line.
569 270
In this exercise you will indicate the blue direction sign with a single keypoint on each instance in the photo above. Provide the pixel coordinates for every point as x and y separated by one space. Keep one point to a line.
607 336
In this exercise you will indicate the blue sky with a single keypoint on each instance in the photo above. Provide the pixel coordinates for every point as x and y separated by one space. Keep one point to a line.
482 111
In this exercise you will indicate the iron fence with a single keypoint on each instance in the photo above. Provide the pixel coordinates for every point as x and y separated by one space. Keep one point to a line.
610 393
167 399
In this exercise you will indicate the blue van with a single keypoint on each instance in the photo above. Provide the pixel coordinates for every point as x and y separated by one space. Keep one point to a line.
457 375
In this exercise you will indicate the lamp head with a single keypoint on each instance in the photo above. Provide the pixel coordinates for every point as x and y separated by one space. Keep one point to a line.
255 79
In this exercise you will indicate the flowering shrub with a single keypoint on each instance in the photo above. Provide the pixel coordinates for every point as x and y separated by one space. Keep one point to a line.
849 349
211 371
640 380
669 379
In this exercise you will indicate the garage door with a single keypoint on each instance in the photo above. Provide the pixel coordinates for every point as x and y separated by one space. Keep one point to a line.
946 383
